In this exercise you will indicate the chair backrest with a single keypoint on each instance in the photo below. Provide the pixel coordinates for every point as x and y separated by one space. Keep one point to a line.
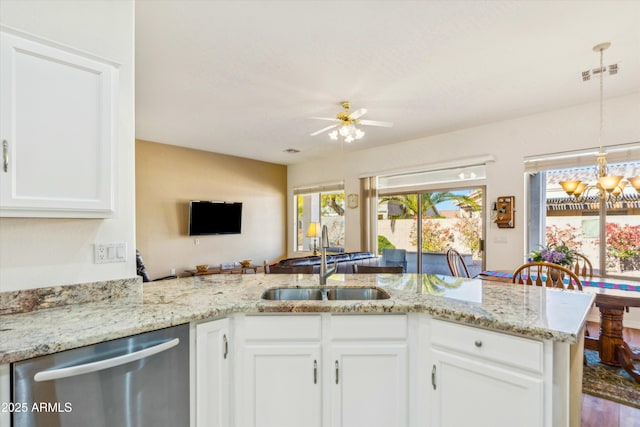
456 264
377 269
298 269
546 274
582 267
394 257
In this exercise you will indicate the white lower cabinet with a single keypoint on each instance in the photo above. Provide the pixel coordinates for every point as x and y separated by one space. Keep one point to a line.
482 378
369 385
321 370
283 385
368 370
279 373
212 374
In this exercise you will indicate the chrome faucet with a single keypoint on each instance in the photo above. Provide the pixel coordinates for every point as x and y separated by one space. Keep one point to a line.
325 271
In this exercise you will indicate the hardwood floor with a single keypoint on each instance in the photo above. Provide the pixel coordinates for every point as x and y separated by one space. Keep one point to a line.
598 412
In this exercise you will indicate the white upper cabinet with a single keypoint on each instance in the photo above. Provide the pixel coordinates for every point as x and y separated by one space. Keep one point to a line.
57 128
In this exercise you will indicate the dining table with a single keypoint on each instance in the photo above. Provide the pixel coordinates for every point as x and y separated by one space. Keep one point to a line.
613 298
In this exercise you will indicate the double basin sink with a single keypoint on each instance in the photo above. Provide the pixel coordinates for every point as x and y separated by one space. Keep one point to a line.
324 294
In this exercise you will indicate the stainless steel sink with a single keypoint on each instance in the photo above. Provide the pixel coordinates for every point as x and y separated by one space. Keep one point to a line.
289 294
332 294
356 294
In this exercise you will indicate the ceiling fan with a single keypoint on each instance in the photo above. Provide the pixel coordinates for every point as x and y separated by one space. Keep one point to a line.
346 122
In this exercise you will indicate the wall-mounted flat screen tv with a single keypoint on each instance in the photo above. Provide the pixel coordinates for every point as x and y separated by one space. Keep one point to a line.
208 217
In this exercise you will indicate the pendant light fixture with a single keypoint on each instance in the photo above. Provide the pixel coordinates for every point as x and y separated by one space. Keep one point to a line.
607 186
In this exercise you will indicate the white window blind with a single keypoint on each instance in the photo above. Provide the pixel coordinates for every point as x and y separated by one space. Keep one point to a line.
320 188
582 158
443 178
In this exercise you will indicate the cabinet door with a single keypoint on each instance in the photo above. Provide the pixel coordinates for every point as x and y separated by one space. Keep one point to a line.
369 384
212 373
469 392
57 115
282 385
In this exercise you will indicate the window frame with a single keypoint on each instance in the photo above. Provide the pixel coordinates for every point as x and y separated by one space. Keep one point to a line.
315 215
536 182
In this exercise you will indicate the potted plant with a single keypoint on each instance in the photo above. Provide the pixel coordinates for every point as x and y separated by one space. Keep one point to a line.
556 253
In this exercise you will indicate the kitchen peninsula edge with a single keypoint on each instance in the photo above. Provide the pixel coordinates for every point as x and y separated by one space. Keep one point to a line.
527 311
552 321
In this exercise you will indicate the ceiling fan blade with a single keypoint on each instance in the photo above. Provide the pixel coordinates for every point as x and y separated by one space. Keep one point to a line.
323 130
375 123
331 119
358 113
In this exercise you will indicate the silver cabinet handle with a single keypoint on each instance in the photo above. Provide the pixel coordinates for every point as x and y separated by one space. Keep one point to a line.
315 372
337 372
73 371
226 345
433 377
5 155
478 343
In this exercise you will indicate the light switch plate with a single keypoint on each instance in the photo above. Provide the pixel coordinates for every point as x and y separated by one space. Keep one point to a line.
105 253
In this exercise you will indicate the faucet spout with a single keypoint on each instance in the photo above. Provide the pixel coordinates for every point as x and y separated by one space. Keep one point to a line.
325 271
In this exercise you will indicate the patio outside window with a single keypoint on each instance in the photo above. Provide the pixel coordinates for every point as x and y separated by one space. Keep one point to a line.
607 233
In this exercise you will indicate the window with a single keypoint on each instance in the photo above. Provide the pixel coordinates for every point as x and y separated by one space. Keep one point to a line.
607 233
323 205
421 215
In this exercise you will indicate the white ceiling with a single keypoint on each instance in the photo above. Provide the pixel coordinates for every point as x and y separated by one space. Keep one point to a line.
243 77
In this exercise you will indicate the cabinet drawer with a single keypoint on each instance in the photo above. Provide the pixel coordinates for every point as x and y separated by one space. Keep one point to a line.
368 326
283 327
516 351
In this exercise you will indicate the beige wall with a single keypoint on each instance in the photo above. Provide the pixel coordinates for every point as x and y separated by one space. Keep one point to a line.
38 252
168 177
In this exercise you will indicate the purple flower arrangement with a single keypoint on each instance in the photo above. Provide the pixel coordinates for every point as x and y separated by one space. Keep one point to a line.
557 253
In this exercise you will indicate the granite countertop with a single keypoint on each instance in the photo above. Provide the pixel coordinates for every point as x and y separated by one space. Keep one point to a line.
530 311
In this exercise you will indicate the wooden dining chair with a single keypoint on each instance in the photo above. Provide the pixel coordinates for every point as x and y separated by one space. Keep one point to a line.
297 269
582 267
373 269
456 264
546 274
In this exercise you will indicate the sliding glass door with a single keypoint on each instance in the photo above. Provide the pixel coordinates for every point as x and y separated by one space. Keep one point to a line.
415 229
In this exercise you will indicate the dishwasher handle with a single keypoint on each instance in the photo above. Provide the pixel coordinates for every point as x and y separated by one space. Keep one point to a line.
72 371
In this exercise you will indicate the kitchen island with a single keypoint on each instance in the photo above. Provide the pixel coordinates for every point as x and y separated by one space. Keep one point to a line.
541 321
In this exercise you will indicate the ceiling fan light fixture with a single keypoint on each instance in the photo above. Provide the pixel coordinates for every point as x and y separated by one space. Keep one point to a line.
346 121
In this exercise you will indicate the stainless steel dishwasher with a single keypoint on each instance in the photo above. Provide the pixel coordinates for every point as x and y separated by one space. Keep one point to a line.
136 381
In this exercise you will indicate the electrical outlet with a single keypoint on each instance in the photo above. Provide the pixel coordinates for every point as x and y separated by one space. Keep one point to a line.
105 253
100 253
